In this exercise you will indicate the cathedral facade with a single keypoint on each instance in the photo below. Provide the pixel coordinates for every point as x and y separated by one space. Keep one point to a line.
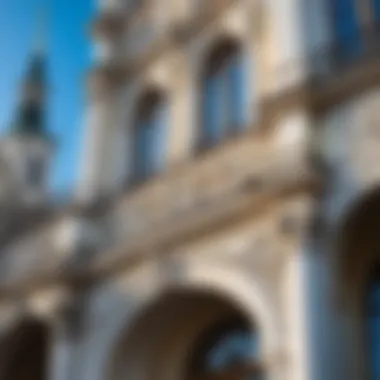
225 220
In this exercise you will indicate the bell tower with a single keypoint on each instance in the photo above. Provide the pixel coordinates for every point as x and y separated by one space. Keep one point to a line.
28 146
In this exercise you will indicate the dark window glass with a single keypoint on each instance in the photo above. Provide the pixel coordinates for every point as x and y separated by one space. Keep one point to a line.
213 108
224 348
223 95
237 90
149 137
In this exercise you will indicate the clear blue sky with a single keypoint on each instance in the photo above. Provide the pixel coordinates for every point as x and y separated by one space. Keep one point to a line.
69 58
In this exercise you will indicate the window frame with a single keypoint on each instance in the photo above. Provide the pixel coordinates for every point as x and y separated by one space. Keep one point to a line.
220 62
150 118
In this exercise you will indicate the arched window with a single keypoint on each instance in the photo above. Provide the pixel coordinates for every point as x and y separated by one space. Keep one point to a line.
223 98
149 136
229 348
373 333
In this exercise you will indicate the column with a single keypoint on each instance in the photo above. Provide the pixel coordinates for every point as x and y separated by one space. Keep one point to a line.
94 144
296 325
312 320
66 326
62 358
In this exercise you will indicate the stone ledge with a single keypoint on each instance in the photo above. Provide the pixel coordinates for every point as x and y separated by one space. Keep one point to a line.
339 86
161 240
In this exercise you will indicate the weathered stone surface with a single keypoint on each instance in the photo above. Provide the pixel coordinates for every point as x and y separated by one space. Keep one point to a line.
209 181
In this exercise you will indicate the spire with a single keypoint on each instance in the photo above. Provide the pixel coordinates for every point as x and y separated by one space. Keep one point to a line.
40 44
30 116
36 70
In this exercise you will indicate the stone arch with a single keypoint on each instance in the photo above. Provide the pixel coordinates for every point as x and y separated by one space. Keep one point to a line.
138 89
147 98
223 289
242 24
205 50
156 77
219 47
357 261
26 353
357 237
234 285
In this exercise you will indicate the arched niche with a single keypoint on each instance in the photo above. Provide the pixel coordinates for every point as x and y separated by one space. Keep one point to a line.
358 281
358 237
188 335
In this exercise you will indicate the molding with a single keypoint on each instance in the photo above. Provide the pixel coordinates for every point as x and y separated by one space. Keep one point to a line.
330 81
339 86
167 238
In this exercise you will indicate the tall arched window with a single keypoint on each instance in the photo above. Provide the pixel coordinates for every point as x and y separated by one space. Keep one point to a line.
373 332
228 349
223 98
149 136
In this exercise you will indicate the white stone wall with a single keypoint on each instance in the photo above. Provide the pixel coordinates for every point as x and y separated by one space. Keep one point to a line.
282 281
246 265
275 58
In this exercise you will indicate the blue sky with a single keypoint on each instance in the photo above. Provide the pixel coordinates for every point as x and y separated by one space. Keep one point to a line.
69 58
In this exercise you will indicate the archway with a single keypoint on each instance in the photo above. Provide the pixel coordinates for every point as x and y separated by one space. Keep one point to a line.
358 263
189 335
24 352
358 237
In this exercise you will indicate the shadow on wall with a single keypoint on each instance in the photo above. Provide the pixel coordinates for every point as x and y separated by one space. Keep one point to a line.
24 354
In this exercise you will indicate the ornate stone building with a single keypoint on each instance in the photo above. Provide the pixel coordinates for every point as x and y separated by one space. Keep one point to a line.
227 211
